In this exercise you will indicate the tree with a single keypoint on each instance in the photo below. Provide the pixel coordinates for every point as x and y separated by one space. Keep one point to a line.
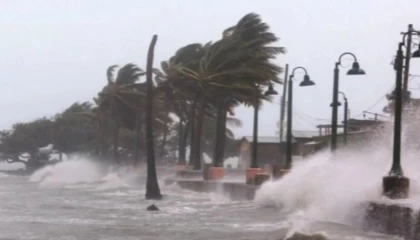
72 131
118 98
152 185
234 70
208 138
21 144
181 92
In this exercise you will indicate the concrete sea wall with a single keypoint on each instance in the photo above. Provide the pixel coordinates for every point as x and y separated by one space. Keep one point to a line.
233 190
393 219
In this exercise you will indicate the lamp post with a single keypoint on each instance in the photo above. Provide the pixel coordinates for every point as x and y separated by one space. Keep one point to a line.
253 168
408 54
395 185
355 70
278 166
346 110
306 82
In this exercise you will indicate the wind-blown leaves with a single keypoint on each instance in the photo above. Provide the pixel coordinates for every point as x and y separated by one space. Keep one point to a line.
215 77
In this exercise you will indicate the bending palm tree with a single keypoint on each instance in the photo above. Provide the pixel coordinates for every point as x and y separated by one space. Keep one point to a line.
118 97
234 70
152 185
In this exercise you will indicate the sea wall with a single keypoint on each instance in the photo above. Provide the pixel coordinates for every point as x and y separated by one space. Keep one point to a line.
393 219
235 191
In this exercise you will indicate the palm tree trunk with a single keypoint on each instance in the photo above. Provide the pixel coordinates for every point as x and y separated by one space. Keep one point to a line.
181 145
136 139
101 138
115 139
222 134
164 138
199 130
192 137
218 137
152 185
97 144
97 132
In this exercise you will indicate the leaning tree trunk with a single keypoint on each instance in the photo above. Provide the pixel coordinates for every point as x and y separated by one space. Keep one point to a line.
152 185
192 137
198 131
136 140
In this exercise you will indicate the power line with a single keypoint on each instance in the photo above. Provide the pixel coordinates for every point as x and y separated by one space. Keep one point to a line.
307 115
297 111
380 99
377 102
301 119
374 105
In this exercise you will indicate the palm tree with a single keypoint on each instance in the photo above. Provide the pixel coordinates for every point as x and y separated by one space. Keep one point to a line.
234 70
152 185
118 99
180 92
252 36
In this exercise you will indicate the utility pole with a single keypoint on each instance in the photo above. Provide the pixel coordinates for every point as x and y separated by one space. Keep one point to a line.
283 102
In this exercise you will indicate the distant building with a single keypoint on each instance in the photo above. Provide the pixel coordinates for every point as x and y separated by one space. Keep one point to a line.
360 131
304 143
271 151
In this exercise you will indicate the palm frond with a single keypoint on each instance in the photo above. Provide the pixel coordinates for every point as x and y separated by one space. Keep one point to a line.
110 73
129 74
234 122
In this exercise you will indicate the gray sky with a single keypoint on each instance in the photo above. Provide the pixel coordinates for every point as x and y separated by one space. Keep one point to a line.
55 52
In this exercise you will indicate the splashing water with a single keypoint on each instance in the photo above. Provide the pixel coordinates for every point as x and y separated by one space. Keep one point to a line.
67 172
112 181
336 188
3 175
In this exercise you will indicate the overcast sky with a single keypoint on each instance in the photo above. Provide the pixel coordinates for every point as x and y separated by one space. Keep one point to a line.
55 52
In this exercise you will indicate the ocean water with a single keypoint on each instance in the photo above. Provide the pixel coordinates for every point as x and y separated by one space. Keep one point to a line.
78 200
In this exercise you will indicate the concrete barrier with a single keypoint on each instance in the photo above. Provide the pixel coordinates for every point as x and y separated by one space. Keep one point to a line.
233 190
393 219
189 173
261 178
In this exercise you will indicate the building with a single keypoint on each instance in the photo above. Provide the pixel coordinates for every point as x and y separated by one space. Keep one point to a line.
360 132
271 151
304 143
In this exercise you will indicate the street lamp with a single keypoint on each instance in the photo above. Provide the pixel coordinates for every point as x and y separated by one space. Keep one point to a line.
254 169
306 82
254 161
395 185
355 70
411 31
416 54
346 110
